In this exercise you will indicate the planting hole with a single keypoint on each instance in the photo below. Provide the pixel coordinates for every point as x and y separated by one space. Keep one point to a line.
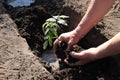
51 58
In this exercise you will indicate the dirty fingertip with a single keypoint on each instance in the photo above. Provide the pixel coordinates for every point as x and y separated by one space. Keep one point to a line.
68 48
70 64
55 44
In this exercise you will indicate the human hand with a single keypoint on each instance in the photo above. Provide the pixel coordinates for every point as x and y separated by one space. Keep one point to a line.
70 38
84 57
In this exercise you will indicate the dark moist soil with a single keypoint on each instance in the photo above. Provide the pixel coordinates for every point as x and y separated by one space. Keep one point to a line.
29 21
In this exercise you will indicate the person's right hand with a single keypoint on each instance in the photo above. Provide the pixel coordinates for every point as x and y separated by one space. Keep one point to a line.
70 38
84 57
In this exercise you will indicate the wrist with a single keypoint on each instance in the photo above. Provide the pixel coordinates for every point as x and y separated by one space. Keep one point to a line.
100 52
79 33
82 29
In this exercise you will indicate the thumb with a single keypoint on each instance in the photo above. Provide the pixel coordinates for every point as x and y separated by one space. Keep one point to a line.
68 47
76 55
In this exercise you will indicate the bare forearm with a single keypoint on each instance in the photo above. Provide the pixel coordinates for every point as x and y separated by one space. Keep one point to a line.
96 10
111 47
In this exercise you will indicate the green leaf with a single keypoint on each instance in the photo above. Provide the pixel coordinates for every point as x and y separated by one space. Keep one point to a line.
55 25
50 40
46 31
43 27
63 22
56 17
47 25
45 44
51 20
64 16
54 32
46 38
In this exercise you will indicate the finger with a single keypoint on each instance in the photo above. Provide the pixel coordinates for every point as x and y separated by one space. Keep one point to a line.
66 61
69 46
78 63
81 62
72 64
61 38
55 44
76 55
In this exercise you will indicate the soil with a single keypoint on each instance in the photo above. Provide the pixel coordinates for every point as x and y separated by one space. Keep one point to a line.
30 19
17 61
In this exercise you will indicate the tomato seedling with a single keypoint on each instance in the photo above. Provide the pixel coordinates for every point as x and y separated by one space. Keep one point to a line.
50 28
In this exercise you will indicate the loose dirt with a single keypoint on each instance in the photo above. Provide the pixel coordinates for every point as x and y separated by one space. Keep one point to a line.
17 62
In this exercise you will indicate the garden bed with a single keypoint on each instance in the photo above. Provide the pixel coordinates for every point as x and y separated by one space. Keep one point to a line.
29 22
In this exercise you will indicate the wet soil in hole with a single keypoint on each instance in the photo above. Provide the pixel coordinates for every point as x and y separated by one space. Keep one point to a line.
29 20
